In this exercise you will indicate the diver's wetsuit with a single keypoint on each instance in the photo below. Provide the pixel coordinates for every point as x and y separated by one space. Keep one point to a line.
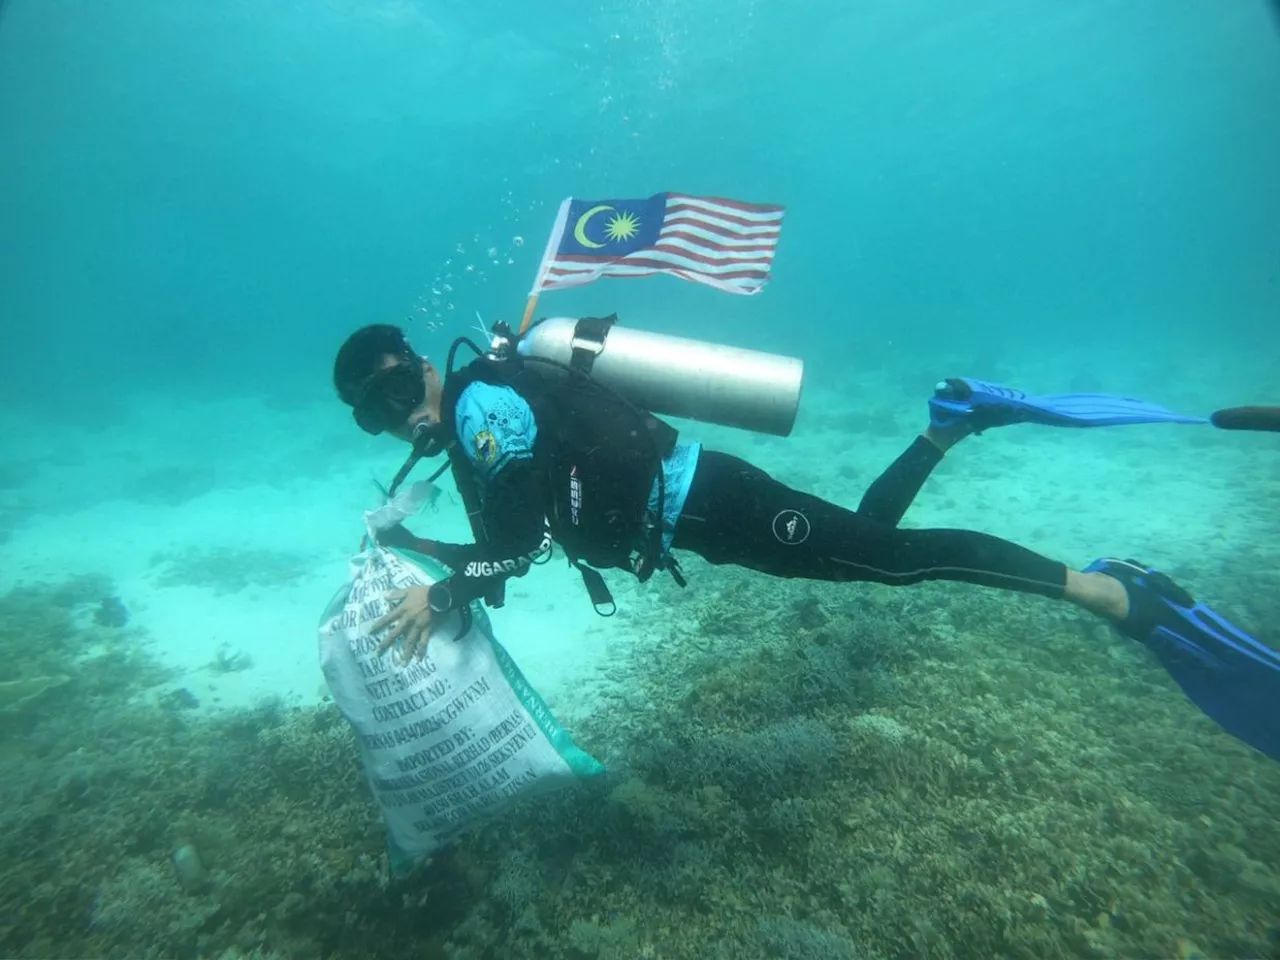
736 513
727 511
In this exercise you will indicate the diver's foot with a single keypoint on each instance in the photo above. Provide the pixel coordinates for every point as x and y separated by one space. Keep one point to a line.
952 416
1099 593
972 406
947 427
944 438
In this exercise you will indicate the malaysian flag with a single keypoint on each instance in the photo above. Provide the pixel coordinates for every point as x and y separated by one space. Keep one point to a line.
725 244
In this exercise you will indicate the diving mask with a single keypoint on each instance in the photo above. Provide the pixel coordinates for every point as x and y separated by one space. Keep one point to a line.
388 397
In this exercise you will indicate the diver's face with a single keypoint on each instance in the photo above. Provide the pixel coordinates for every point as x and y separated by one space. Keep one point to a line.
427 412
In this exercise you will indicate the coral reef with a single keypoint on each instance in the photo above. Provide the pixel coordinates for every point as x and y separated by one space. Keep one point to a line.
847 773
111 612
790 939
17 694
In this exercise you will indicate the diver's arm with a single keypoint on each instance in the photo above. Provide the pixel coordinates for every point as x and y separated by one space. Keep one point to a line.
519 534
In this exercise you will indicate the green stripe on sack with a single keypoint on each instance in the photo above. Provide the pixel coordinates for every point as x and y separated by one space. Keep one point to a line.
581 763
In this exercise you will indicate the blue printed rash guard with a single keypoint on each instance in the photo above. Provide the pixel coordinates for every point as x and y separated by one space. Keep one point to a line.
496 429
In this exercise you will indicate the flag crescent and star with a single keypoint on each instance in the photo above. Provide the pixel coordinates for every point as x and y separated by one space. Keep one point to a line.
580 228
622 226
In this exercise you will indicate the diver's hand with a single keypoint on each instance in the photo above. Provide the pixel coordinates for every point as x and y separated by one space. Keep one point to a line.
409 619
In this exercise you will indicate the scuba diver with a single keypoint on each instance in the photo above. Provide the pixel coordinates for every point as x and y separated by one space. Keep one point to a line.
552 437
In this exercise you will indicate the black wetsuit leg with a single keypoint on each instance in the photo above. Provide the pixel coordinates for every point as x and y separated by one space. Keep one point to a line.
888 498
736 513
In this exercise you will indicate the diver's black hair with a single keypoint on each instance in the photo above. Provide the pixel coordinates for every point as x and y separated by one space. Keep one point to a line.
361 353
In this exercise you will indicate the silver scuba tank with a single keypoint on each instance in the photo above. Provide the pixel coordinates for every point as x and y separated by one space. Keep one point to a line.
676 376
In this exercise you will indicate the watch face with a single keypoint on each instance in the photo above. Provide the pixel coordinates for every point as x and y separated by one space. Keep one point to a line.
439 598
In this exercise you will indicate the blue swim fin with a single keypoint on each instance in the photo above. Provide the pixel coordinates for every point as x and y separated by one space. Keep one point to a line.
982 405
1232 677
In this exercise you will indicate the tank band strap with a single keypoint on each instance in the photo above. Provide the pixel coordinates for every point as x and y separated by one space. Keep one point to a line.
589 334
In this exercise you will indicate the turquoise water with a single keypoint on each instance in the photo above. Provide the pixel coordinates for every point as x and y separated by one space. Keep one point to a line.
249 182
200 200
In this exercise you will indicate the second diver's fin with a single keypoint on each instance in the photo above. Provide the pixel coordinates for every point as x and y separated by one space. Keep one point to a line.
1266 419
1232 677
982 405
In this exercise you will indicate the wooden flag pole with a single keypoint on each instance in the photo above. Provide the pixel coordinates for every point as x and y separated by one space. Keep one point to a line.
553 243
528 313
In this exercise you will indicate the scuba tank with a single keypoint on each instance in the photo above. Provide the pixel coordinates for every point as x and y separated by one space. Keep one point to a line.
674 376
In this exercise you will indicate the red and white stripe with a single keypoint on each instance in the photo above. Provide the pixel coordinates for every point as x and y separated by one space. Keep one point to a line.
725 244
